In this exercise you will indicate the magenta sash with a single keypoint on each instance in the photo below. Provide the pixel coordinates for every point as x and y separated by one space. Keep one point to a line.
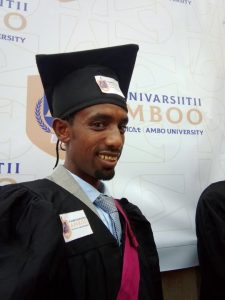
129 287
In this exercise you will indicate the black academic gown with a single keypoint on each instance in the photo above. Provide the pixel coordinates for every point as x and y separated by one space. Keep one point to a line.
210 228
37 264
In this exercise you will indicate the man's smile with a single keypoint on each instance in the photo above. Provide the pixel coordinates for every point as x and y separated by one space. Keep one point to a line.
109 157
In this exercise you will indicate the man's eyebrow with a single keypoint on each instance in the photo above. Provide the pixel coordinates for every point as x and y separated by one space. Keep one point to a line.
100 116
105 116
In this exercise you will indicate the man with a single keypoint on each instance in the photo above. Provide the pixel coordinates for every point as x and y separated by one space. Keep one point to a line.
61 237
210 228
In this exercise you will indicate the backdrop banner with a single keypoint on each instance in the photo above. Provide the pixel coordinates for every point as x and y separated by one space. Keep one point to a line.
175 143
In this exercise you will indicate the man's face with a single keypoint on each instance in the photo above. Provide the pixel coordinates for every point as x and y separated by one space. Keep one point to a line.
96 142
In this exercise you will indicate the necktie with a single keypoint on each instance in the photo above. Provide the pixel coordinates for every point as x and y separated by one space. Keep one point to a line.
108 205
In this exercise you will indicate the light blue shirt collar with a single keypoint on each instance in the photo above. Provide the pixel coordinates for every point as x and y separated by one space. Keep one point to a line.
92 193
89 190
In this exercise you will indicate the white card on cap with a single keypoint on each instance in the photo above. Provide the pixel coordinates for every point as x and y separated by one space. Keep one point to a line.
108 85
75 225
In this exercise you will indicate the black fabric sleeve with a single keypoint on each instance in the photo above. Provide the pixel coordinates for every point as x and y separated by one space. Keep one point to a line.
29 245
210 230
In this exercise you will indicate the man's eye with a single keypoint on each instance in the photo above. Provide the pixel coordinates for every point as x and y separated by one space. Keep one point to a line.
123 128
98 125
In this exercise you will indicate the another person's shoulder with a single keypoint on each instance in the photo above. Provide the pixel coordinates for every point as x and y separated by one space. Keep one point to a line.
215 187
212 197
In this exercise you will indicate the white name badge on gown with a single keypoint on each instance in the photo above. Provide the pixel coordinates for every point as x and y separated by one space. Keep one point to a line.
75 225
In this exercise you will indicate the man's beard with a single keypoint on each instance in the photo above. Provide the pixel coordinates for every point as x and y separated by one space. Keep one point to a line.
104 174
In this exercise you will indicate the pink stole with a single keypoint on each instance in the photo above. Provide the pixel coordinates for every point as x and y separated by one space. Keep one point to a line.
129 287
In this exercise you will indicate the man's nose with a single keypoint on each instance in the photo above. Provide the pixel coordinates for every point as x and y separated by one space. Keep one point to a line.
115 138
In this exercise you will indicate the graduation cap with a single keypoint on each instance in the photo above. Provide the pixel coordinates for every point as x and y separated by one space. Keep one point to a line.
75 80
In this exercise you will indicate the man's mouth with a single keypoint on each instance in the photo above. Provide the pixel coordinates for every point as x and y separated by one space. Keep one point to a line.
111 158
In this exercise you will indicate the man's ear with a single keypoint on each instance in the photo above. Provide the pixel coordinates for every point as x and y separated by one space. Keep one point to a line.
62 130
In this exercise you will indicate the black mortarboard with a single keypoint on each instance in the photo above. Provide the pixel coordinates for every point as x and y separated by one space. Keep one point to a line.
75 80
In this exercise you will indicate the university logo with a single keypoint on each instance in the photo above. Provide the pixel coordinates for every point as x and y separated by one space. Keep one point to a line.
39 120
